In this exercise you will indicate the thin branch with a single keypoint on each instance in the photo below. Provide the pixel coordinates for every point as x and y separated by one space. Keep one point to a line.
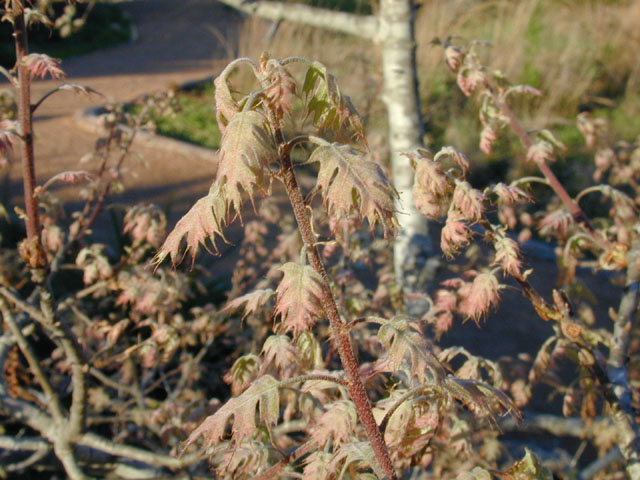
400 401
34 364
133 453
363 26
576 212
73 352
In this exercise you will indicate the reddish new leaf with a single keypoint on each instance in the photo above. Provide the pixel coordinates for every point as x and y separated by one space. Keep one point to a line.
407 349
299 294
203 222
263 395
246 150
350 183
251 301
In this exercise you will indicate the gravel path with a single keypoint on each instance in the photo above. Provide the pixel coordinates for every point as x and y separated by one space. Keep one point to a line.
177 41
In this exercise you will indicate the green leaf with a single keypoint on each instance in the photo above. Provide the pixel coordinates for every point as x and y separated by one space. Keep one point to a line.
327 106
246 150
352 184
263 395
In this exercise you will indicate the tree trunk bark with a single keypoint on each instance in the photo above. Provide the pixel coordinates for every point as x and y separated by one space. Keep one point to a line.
412 248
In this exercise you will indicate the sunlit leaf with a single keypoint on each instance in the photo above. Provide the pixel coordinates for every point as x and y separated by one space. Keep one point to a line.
352 184
246 150
251 301
407 346
202 223
299 294
262 395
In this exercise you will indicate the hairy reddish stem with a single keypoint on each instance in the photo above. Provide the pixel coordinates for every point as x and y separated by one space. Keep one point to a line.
576 212
340 330
26 124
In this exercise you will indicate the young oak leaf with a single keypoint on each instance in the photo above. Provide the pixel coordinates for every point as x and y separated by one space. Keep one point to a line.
328 107
263 395
356 456
338 424
251 301
205 220
246 150
299 294
405 343
351 183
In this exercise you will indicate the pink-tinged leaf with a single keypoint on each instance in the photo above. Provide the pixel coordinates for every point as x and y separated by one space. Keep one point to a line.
8 135
71 177
469 80
430 175
453 57
427 204
246 150
299 294
468 201
510 195
243 371
317 466
205 220
488 137
407 349
226 106
507 255
145 223
541 152
455 154
77 88
557 222
352 184
482 399
251 301
356 456
338 424
263 395
523 90
281 355
41 65
454 235
483 294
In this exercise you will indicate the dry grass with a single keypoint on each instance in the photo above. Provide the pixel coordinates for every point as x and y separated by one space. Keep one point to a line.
572 50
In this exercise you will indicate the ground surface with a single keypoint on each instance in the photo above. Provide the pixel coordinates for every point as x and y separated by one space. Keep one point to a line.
177 41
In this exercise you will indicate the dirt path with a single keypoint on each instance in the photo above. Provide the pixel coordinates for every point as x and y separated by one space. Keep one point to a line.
177 41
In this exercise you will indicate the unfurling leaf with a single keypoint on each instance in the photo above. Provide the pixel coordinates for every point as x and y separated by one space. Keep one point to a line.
507 254
252 300
350 183
484 292
327 106
468 200
338 423
246 150
407 346
454 235
263 395
205 220
39 65
299 294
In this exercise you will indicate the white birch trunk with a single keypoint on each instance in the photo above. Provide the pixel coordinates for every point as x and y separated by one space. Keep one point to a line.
397 40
